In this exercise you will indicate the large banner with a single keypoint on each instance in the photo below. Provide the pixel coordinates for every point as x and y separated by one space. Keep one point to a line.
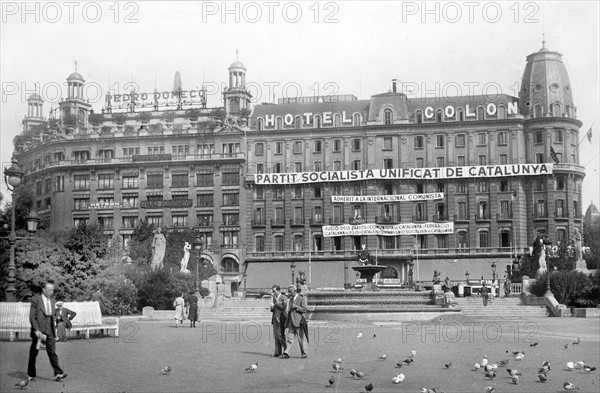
425 228
454 172
387 198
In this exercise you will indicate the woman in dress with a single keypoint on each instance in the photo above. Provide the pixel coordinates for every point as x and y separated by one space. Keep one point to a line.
179 304
192 302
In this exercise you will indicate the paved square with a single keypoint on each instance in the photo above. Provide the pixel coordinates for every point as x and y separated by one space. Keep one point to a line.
213 357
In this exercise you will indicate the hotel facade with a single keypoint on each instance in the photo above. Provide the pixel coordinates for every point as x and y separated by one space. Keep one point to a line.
442 183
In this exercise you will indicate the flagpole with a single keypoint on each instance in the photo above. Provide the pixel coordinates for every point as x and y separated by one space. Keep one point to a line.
585 135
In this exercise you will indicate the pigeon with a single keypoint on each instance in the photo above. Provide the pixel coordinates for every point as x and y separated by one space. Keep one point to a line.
339 360
359 375
448 365
491 375
167 369
353 372
22 384
427 390
515 379
546 363
398 378
502 363
542 377
407 361
566 346
484 361
519 356
383 356
588 369
545 368
576 342
489 389
515 353
488 368
331 381
337 367
533 344
476 367
359 335
412 353
570 386
580 364
570 366
374 335
512 372
369 387
252 368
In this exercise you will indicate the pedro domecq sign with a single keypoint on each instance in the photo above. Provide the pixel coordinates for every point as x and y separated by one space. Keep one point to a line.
406 173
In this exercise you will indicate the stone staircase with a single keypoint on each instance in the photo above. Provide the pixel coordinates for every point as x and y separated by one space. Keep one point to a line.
238 310
499 308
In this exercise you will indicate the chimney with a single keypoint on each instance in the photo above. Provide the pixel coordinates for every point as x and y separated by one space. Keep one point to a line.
394 85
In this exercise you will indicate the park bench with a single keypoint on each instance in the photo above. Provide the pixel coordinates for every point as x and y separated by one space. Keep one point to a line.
14 319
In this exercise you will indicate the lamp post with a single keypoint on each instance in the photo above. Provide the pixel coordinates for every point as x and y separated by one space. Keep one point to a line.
293 269
198 248
493 271
548 293
12 177
467 275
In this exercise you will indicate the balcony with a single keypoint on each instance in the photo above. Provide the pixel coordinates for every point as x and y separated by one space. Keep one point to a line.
317 220
461 217
419 218
278 222
205 223
296 222
507 216
539 215
483 216
387 219
561 215
440 217
257 223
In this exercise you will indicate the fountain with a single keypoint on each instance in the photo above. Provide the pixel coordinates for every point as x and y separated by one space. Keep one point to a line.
367 270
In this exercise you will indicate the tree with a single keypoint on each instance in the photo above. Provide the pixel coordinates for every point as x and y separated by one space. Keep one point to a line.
591 239
86 240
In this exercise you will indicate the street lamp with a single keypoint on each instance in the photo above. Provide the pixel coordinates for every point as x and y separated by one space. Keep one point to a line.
467 275
12 177
197 244
293 268
548 243
493 271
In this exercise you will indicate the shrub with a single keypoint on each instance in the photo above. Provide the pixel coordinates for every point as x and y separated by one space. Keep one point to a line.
159 289
119 291
566 286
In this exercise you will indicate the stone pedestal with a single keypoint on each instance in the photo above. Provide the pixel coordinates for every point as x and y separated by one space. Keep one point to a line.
580 266
148 311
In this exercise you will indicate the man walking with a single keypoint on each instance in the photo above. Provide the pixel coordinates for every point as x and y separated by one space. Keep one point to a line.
41 317
63 316
278 319
297 328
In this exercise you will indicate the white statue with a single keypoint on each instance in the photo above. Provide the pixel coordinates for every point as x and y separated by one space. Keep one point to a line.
159 245
543 268
186 257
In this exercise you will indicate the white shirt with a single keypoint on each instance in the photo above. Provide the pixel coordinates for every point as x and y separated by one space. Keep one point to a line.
47 305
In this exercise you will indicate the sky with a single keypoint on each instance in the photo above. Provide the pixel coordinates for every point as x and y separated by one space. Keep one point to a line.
295 48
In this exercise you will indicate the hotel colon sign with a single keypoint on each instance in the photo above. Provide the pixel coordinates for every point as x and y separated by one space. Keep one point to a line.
448 184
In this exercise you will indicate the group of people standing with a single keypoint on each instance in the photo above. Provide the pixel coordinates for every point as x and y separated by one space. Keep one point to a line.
289 324
186 308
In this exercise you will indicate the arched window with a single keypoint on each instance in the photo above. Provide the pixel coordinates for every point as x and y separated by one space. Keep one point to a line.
387 117
389 272
234 106
438 116
260 124
505 240
480 113
501 112
279 123
462 239
317 121
230 265
298 243
81 116
356 119
537 111
556 110
298 122
419 117
461 114
337 120
561 237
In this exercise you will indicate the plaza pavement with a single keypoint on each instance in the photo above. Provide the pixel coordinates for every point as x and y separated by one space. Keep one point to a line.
213 357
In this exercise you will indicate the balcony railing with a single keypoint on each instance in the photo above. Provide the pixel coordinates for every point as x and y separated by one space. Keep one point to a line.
279 222
259 222
504 216
317 221
336 220
387 219
462 217
483 216
296 222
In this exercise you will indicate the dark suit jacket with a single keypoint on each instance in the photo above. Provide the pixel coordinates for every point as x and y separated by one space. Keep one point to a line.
38 318
65 315
297 310
279 305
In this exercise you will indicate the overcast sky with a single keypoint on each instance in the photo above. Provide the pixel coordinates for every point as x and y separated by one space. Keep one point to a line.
344 47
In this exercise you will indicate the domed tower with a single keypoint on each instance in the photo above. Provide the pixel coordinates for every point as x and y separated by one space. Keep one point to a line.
236 96
74 110
34 112
545 87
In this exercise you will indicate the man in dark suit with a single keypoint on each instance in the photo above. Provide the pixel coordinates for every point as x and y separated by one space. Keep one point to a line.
41 317
63 316
297 328
278 319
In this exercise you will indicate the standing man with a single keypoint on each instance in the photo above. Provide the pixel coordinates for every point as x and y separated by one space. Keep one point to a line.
63 316
98 296
297 328
485 293
278 319
41 317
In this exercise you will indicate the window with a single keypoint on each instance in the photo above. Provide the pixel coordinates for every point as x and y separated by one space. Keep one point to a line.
462 210
230 149
260 243
82 182
38 188
106 154
79 220
130 222
337 243
482 212
155 180
337 214
259 217
576 211
439 161
179 180
337 145
356 165
81 203
538 137
420 212
205 200
558 136
259 149
460 140
181 150
441 187
204 180
540 185
278 244
130 181
460 161
317 192
337 189
105 180
337 165
106 200
387 143
419 142
440 211
229 265
230 238
278 147
541 208
503 185
462 240
560 184
297 147
561 236
505 209
259 193
131 151
461 188
503 159
278 218
387 117
318 167
560 208
81 155
297 192
388 163
419 188
205 149
231 199
482 186
278 193
356 144
539 158
231 219
318 146
502 138
419 162
130 201
180 221
48 185
358 189
481 139
388 189
318 214
231 178
482 159
484 239
59 183
155 150
157 221
297 167
106 222
439 141
442 241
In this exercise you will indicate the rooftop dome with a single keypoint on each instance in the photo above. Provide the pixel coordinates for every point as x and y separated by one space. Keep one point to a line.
35 97
591 214
237 64
76 76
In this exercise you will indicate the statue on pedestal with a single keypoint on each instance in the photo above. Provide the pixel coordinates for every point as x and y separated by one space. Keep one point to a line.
159 245
539 245
186 257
